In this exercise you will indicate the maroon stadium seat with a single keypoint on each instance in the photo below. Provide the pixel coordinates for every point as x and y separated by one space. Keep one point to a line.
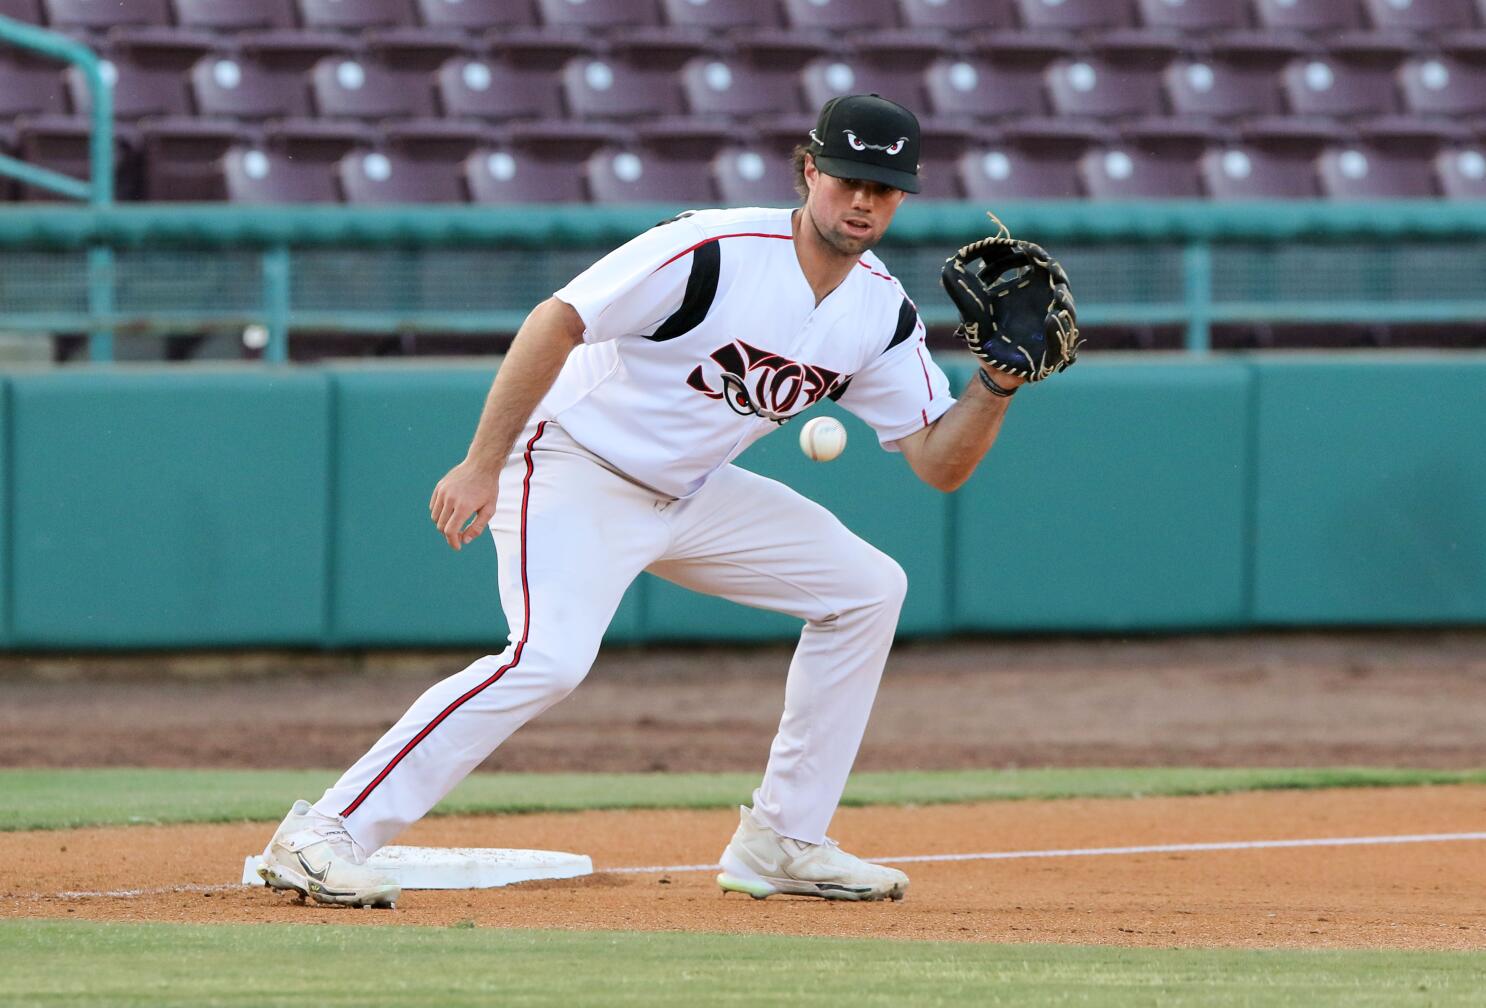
959 16
750 176
627 176
420 50
1311 16
1420 15
439 140
258 175
1250 173
1076 15
1096 89
511 176
477 15
611 89
495 91
977 89
1005 172
1123 173
381 177
1462 172
352 88
1220 89
826 77
1204 16
1328 86
720 15
29 85
598 15
1362 173
322 140
234 15
362 14
1442 86
137 91
62 143
93 15
243 88
840 15
182 156
28 11
295 48
732 88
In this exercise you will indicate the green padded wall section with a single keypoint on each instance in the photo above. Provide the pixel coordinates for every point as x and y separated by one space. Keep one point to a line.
1114 500
395 580
1371 497
873 492
169 509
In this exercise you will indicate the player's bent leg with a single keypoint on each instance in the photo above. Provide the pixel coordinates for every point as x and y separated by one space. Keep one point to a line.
562 576
755 541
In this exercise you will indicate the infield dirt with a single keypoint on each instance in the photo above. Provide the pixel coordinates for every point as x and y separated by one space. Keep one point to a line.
1422 896
1392 699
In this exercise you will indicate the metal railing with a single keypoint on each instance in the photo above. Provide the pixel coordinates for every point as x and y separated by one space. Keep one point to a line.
98 191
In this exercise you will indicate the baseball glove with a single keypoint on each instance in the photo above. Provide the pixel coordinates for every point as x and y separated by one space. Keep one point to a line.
1016 311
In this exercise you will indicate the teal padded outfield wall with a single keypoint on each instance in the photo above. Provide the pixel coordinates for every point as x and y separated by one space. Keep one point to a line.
288 507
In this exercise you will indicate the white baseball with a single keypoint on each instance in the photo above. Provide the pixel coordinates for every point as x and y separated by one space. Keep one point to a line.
822 438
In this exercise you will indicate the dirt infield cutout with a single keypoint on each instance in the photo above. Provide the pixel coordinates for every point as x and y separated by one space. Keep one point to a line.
1425 895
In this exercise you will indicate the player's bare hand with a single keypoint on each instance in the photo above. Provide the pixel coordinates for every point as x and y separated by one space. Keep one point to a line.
463 503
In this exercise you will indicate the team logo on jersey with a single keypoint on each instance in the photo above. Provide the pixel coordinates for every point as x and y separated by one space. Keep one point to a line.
755 382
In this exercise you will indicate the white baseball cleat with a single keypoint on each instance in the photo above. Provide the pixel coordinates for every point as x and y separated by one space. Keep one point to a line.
761 863
312 854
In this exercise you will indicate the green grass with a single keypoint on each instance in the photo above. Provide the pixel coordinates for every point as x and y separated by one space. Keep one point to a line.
55 799
82 963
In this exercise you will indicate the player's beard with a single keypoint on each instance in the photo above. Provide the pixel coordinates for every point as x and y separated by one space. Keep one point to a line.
841 242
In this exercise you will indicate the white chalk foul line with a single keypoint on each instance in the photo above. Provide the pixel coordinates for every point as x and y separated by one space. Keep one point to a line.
1104 851
131 893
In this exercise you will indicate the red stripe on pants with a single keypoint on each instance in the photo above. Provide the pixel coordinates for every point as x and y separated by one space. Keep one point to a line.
515 658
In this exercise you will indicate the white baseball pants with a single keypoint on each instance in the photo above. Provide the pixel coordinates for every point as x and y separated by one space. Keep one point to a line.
571 535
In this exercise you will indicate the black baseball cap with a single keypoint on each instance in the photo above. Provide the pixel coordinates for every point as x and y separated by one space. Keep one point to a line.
867 137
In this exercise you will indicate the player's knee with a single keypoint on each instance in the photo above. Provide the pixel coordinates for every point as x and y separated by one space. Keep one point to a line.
560 665
894 583
883 583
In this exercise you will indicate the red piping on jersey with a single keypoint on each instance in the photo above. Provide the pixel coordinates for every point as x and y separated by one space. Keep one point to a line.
927 384
525 632
863 264
741 234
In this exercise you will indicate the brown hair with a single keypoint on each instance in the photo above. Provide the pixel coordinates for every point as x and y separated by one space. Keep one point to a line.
798 160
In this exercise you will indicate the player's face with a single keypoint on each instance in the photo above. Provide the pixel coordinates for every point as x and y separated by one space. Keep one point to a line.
850 215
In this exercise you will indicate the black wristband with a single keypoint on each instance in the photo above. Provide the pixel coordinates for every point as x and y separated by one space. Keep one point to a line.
993 388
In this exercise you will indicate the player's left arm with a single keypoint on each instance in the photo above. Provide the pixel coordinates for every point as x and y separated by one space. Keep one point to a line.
946 452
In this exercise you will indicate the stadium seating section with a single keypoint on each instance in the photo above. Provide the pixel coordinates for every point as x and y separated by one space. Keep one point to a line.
497 101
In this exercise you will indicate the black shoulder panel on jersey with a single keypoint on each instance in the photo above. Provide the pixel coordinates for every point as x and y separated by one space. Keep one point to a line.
907 320
701 288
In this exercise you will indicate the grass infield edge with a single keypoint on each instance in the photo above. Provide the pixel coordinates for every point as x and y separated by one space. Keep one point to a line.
74 798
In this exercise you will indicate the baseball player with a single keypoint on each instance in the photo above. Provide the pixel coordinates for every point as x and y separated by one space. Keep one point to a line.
605 449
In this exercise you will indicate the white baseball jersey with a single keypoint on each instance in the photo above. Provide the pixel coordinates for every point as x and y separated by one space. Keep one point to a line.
703 335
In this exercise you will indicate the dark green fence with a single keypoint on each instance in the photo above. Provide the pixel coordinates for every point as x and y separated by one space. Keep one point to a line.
270 507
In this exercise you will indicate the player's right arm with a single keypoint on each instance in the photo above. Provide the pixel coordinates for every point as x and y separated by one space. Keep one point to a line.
537 354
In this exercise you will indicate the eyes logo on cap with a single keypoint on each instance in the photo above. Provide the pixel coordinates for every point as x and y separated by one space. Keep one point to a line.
858 144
